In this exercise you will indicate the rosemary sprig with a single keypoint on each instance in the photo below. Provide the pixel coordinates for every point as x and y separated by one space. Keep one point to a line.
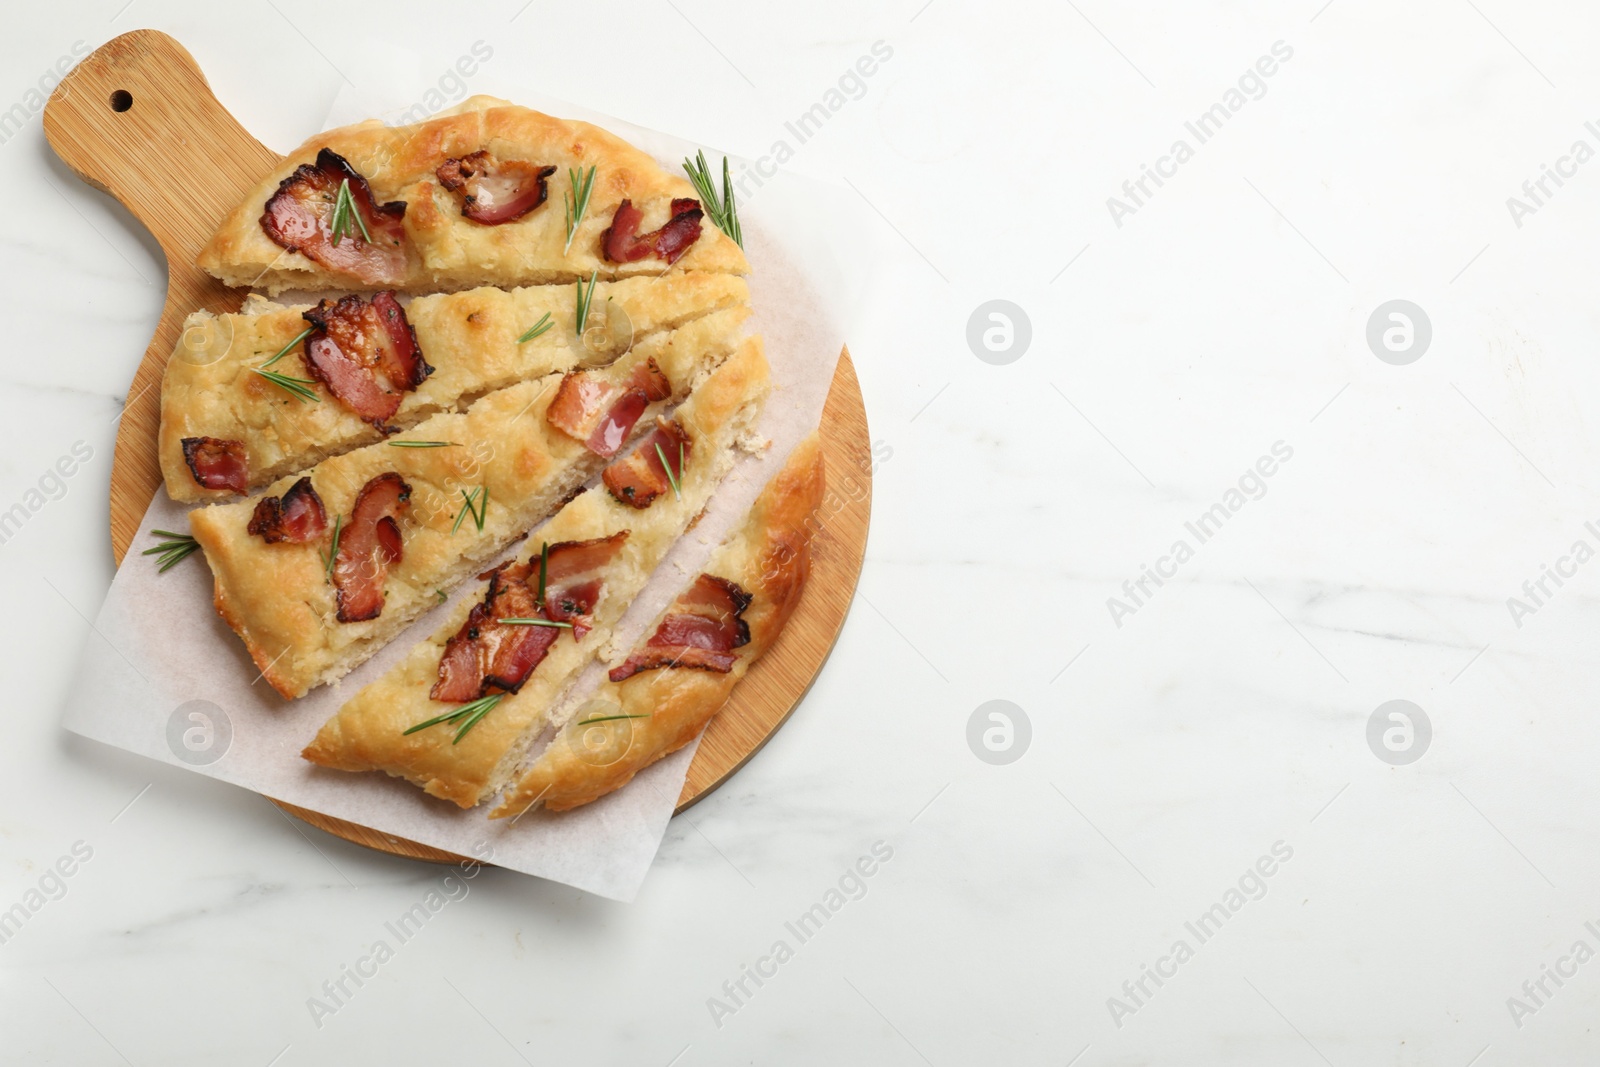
344 209
468 715
584 299
440 594
340 221
422 444
610 718
476 504
465 509
577 200
543 326
297 387
333 550
723 212
284 351
536 622
672 479
173 551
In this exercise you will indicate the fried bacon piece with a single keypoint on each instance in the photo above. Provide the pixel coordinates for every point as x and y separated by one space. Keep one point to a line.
217 464
494 190
366 353
369 544
601 413
296 518
701 631
623 243
299 217
638 478
487 654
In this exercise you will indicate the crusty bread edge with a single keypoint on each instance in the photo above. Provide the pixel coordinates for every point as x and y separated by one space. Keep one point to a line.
679 702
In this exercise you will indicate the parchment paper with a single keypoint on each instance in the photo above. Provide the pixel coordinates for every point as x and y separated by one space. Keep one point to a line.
163 676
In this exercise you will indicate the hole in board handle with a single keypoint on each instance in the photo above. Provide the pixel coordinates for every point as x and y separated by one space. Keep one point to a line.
121 100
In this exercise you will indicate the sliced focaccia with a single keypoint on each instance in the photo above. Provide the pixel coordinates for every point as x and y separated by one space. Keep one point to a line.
289 563
660 697
456 715
250 397
478 195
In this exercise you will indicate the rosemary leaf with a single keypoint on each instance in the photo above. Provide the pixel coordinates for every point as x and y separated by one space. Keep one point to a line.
577 201
543 326
297 387
536 622
475 505
333 549
729 208
672 479
172 551
462 514
723 210
356 213
468 715
344 209
284 351
584 299
610 718
476 717
176 556
337 223
421 444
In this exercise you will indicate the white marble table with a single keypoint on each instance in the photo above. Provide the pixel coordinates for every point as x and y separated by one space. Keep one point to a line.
1198 857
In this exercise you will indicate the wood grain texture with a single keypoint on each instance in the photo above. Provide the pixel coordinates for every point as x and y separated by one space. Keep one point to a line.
773 686
179 161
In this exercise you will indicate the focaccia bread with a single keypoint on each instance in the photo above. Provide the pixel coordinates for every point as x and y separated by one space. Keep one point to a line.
216 389
478 195
665 692
461 741
275 586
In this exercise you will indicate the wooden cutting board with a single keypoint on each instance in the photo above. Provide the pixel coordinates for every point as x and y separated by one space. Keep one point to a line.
136 119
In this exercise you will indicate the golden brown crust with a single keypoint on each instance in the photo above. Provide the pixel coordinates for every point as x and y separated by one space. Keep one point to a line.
769 556
368 732
277 597
451 251
471 339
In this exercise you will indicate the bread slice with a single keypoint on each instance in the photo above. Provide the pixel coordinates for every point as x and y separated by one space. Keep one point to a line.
434 246
370 731
627 725
470 339
279 597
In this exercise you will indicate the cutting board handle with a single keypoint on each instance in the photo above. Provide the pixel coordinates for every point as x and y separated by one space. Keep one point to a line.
137 119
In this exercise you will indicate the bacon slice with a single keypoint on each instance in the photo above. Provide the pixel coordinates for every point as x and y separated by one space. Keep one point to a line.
701 631
487 654
299 217
369 544
602 414
494 190
638 478
366 353
217 464
623 243
297 518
